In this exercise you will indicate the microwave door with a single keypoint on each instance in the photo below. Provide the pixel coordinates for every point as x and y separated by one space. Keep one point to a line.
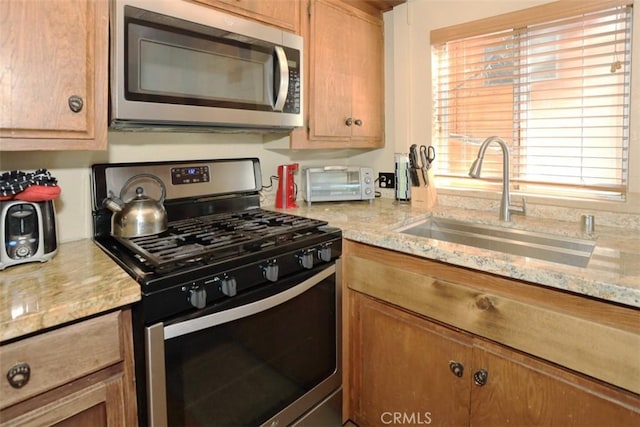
174 68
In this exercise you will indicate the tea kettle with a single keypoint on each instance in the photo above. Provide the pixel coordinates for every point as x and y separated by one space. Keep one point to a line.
140 216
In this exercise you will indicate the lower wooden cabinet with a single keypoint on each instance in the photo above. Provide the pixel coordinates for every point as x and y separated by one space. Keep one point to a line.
408 370
399 368
77 375
411 366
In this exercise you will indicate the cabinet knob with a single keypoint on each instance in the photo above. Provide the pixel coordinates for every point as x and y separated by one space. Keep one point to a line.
358 122
75 103
480 377
456 367
18 375
349 121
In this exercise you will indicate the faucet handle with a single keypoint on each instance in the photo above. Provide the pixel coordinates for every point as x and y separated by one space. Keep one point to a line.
521 210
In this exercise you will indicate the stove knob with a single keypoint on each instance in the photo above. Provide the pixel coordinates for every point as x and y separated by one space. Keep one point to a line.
324 253
270 271
306 259
198 297
229 287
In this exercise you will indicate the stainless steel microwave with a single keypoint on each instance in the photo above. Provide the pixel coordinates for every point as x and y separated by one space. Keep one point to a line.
177 63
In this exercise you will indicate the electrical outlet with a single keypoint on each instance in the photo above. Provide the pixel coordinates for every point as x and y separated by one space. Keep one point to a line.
386 180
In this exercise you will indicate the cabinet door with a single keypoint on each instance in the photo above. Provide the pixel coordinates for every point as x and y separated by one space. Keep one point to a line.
95 401
400 367
279 13
344 82
330 74
366 52
55 55
528 392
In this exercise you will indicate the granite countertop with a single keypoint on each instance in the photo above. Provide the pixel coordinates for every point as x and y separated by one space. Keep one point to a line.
79 281
612 274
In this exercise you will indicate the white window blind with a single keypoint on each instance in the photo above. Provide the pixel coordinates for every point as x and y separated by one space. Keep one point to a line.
556 89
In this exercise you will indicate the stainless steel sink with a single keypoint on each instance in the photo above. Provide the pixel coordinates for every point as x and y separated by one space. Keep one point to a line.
544 246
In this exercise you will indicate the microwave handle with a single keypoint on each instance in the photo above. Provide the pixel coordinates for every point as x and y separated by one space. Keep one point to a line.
283 66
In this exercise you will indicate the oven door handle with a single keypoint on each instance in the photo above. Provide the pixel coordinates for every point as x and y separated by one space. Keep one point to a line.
208 321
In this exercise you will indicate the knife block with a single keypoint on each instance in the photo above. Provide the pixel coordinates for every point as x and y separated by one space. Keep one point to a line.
425 197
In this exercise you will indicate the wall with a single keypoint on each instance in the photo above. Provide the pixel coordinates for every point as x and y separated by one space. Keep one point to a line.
407 121
73 168
408 92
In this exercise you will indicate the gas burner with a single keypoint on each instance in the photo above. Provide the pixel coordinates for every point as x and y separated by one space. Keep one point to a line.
219 236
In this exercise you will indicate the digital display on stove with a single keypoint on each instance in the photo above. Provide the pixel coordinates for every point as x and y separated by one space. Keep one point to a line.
190 175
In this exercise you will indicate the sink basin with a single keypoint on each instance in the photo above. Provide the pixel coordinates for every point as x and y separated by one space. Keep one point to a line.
544 246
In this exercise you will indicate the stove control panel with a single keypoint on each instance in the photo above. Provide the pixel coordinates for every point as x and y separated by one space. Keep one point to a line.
189 175
221 285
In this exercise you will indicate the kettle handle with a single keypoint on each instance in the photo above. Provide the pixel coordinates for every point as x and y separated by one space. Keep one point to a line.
145 175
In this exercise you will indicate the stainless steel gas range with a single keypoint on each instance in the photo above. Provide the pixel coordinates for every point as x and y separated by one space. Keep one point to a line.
239 322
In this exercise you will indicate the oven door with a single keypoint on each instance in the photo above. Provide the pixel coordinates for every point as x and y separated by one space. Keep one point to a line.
265 362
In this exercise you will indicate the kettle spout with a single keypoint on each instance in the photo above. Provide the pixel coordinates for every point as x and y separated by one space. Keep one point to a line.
113 203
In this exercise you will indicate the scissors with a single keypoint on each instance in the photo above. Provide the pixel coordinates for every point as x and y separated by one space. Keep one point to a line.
427 156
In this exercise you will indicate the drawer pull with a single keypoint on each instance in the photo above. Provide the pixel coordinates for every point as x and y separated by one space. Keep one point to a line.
75 103
18 375
456 367
480 377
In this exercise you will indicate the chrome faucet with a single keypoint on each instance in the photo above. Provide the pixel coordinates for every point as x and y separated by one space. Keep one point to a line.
505 204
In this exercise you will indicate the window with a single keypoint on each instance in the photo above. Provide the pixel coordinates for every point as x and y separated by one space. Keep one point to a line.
553 82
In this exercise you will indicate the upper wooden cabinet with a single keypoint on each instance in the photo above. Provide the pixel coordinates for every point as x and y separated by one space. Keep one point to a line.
344 78
280 13
53 80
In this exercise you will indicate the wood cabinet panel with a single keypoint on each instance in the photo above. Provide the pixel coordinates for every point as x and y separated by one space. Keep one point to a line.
54 359
330 72
401 370
81 374
395 352
99 401
280 13
555 326
446 314
344 78
54 51
539 394
367 77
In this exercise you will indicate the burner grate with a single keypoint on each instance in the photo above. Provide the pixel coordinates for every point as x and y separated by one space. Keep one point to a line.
220 235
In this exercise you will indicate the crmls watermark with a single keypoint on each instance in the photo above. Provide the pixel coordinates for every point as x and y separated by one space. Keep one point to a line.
412 418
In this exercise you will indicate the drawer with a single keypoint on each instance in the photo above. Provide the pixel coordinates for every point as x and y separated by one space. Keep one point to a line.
59 356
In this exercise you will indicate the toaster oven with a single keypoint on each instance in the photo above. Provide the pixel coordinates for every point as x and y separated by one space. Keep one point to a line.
337 183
